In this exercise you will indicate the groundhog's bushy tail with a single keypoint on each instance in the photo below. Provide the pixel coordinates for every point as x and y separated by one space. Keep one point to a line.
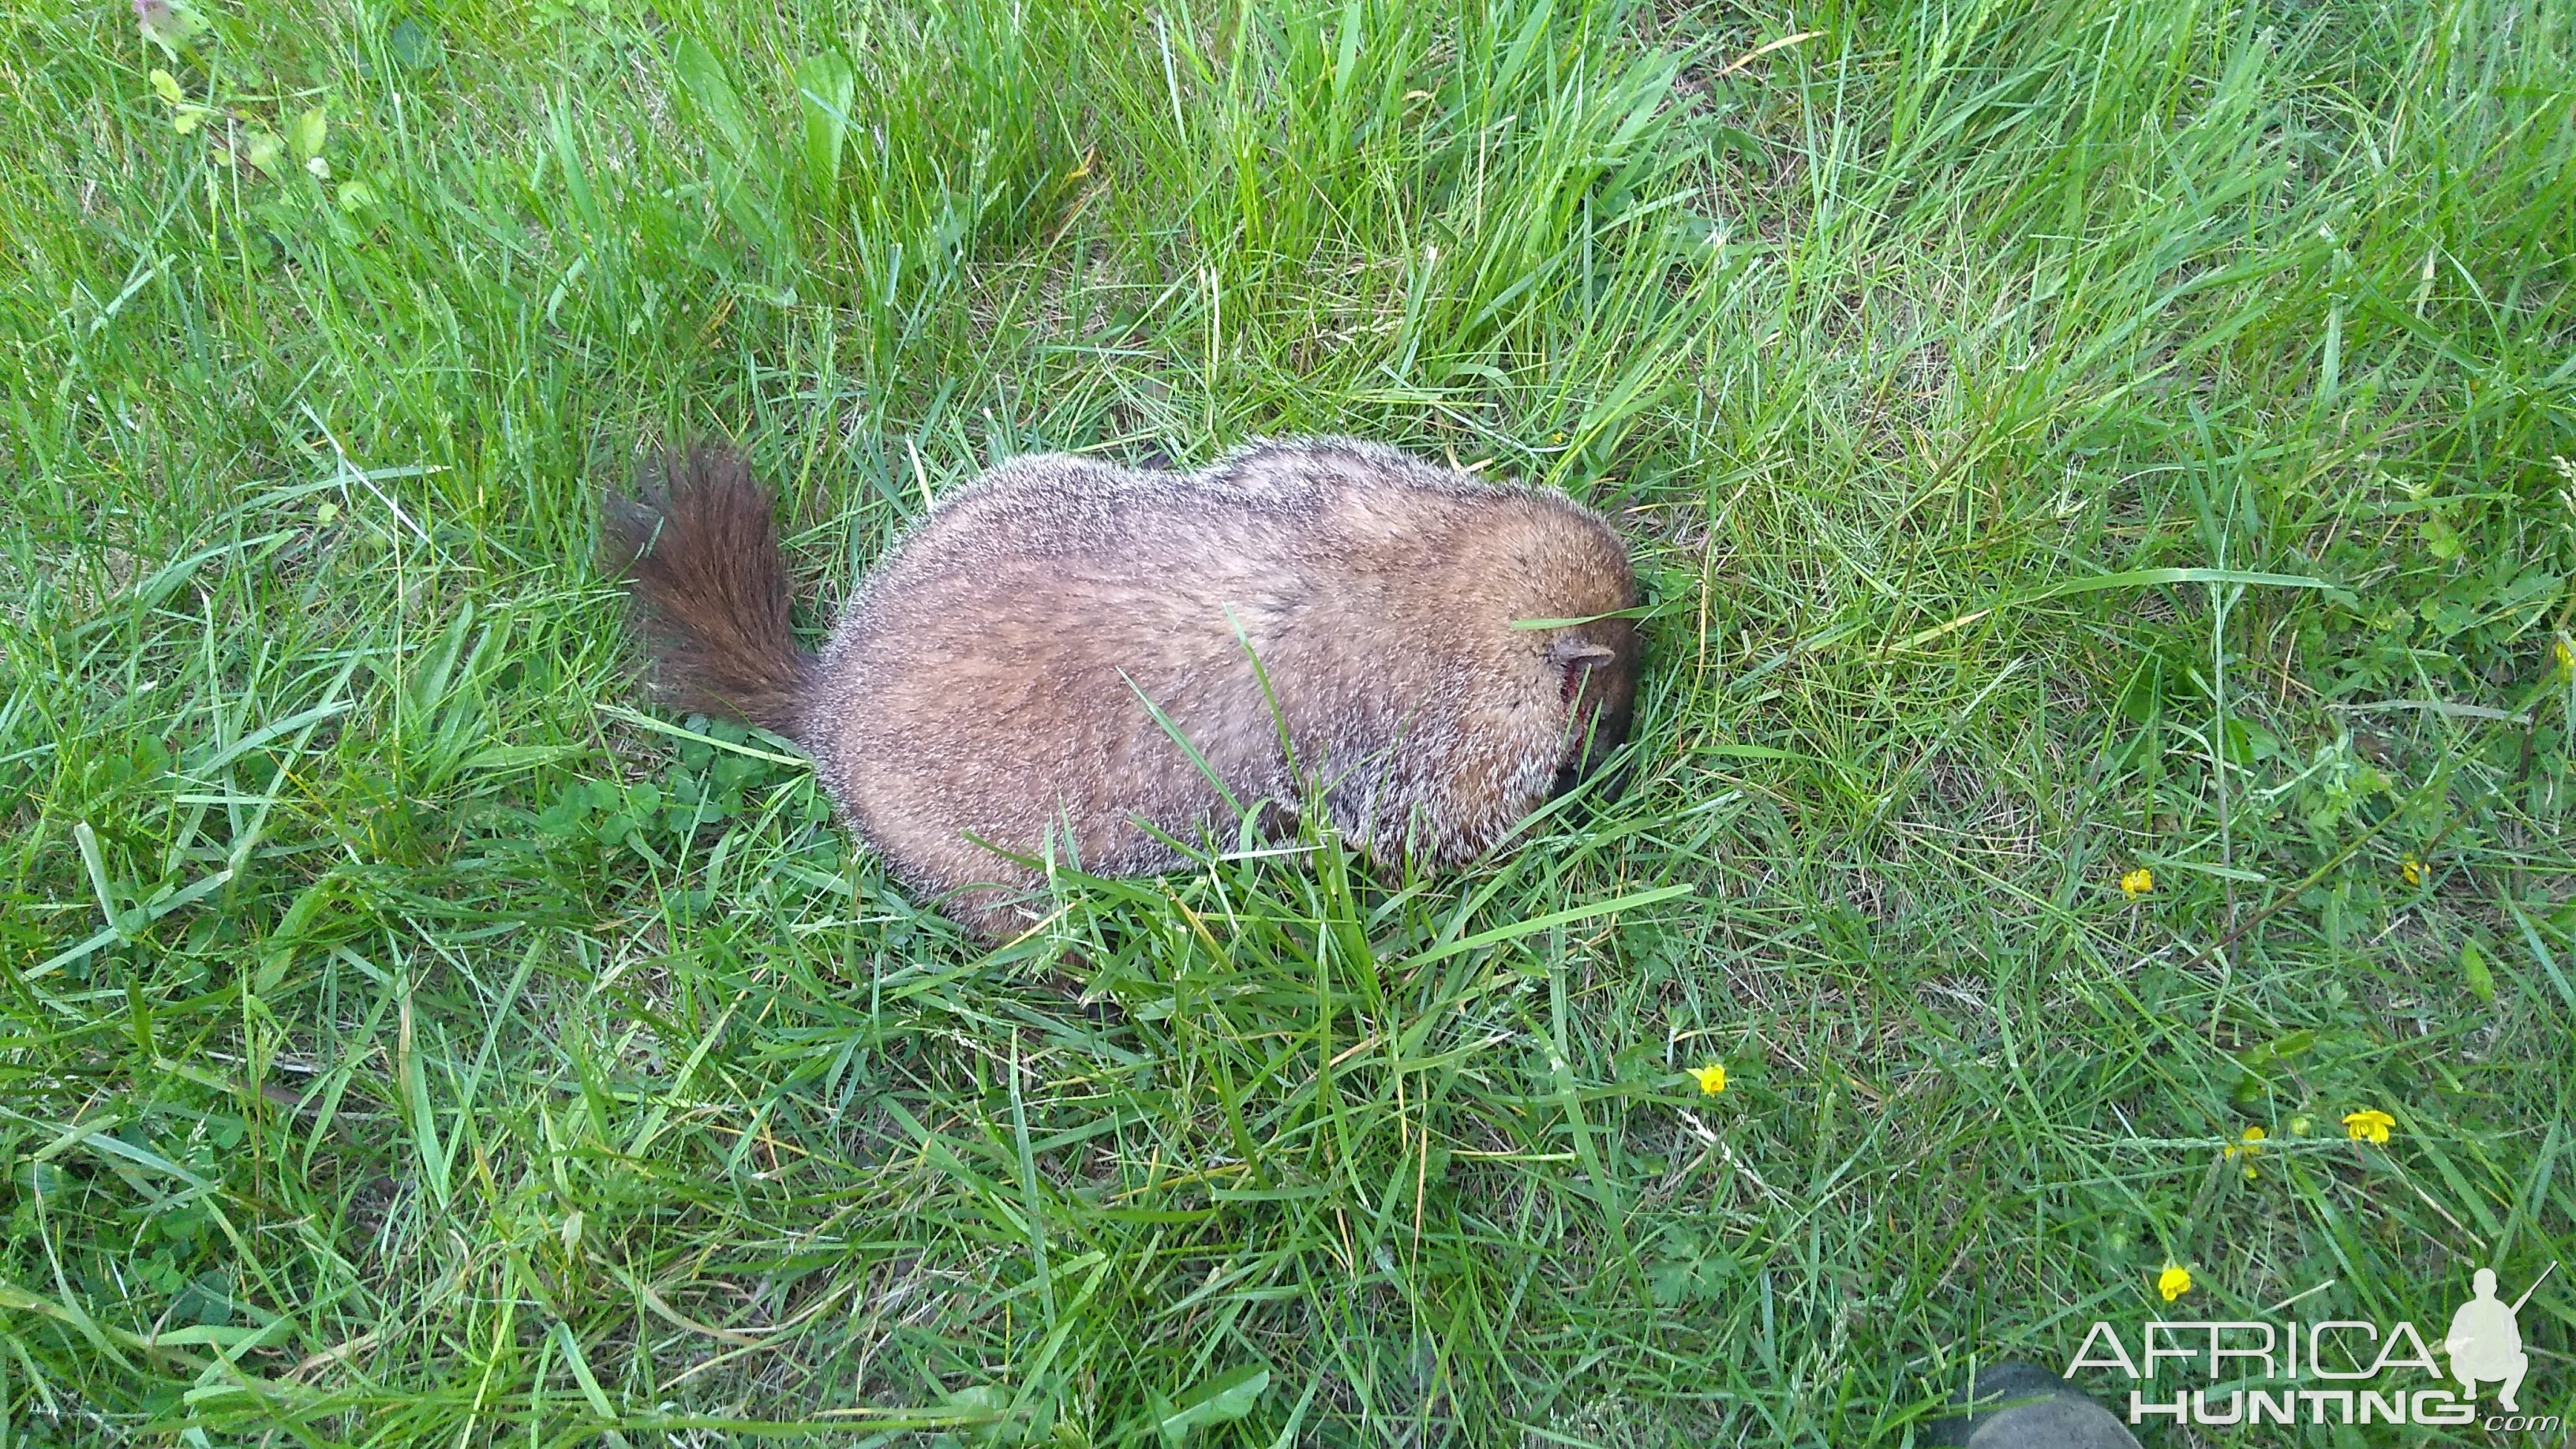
710 589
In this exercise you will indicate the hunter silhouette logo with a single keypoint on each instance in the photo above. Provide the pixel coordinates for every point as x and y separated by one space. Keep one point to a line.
2485 1341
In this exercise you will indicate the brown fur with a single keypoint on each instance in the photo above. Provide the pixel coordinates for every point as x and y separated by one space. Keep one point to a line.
986 689
710 591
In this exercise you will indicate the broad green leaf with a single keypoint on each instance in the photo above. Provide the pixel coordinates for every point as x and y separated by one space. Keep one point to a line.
305 132
1221 1400
702 77
825 88
262 149
2473 969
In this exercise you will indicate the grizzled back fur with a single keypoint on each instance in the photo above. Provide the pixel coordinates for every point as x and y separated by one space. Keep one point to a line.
989 698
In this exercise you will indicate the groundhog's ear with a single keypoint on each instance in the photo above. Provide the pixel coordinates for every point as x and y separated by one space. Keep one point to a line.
1573 653
1577 658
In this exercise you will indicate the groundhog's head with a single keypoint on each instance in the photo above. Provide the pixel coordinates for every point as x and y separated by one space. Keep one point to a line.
1599 687
1583 575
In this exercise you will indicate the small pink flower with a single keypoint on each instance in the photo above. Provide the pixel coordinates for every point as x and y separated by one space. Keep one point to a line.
166 23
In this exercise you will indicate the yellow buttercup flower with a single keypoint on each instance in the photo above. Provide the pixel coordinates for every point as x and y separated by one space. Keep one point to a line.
1712 1079
2368 1125
2173 1282
2137 882
2411 871
2565 654
2246 1146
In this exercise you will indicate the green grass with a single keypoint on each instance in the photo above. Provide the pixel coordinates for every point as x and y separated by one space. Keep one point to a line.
405 1039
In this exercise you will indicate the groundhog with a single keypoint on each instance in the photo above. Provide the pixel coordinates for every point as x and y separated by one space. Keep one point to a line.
1075 662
